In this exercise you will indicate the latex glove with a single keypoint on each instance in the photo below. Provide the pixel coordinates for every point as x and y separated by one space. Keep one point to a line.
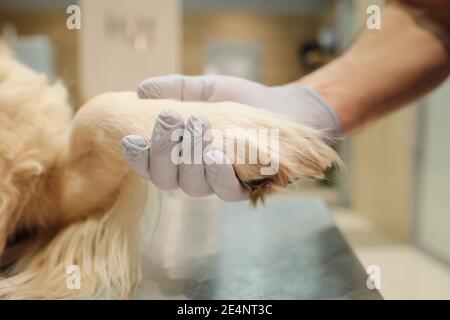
300 103
152 160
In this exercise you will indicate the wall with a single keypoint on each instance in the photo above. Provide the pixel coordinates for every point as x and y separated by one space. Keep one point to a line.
382 157
108 59
279 36
383 172
53 24
433 212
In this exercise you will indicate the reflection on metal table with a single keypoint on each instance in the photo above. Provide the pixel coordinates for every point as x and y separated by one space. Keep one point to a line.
288 249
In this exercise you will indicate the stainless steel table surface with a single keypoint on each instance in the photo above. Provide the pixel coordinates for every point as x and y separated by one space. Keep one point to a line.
288 249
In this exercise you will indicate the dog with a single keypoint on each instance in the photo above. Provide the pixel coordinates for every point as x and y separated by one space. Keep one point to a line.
67 197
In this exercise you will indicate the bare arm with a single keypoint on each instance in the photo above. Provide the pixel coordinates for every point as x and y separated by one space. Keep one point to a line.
388 68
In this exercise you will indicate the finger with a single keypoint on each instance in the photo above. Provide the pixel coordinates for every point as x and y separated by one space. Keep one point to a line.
166 146
136 149
192 170
222 178
178 87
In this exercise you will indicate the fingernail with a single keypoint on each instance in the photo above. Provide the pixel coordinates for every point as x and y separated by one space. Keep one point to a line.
136 152
142 94
148 89
197 125
135 142
169 118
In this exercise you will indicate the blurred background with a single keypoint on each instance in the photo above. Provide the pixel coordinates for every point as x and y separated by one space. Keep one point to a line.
392 204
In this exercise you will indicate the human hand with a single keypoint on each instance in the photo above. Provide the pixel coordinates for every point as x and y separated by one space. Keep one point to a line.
299 103
294 101
152 159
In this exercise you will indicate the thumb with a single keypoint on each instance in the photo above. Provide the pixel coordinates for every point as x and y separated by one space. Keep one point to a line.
177 87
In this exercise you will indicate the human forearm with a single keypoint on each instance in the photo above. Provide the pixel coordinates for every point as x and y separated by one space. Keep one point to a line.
384 69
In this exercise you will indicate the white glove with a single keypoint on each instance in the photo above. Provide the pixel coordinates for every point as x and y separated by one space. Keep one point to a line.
151 159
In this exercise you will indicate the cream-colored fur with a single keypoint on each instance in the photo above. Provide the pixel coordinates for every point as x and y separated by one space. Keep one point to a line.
67 197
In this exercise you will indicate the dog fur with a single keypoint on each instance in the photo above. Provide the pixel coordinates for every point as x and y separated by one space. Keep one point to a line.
68 198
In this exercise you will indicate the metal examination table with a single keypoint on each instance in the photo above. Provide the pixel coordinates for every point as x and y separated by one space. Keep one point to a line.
288 249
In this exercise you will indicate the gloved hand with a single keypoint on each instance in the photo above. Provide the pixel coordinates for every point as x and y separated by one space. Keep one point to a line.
151 159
